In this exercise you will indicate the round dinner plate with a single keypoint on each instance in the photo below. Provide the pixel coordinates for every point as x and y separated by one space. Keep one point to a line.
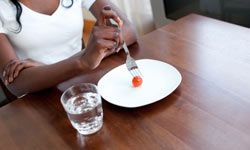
159 80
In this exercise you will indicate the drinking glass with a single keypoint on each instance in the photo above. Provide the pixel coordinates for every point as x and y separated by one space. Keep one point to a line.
83 105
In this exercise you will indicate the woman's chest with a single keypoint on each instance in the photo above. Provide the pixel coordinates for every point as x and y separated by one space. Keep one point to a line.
46 7
39 30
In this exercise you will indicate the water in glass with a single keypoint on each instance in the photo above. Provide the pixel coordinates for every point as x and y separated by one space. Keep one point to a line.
85 112
84 108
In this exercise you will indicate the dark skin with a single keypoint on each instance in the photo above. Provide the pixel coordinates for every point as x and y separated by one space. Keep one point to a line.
26 76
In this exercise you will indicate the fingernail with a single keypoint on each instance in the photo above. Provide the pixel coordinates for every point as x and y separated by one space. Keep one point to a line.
115 44
116 34
10 79
118 49
120 21
118 30
4 73
6 82
15 75
107 8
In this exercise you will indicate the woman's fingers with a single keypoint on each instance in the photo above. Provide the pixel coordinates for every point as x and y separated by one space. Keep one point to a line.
24 65
6 66
121 42
106 45
107 17
104 39
8 78
107 33
106 14
13 69
19 68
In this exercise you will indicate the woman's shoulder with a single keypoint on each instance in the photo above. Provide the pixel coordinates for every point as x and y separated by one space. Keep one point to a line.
7 14
5 4
6 7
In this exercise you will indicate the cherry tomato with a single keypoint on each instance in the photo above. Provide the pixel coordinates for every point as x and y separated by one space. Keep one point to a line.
137 81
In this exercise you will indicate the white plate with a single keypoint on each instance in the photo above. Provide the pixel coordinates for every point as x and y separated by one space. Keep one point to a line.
159 80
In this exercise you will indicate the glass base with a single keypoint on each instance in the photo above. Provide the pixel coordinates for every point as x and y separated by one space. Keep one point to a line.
90 131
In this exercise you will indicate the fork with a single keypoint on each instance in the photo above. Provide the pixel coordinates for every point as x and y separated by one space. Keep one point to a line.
130 63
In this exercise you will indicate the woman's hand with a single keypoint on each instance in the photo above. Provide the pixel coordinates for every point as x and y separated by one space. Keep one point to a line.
106 15
129 33
14 67
104 39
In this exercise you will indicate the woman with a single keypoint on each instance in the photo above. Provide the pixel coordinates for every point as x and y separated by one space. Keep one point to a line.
40 41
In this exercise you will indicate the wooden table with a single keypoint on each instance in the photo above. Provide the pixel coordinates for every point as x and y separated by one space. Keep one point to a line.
209 110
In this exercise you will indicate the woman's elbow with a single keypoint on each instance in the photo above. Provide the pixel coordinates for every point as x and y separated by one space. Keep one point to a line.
16 91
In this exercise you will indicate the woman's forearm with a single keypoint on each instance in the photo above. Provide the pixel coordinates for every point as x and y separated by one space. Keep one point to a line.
41 77
130 34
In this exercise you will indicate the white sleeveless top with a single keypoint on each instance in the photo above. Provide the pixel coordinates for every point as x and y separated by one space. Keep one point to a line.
45 38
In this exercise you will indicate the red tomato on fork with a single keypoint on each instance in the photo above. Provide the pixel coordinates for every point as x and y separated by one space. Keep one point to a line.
137 81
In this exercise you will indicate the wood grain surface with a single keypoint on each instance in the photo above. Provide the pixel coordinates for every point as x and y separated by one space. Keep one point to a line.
209 110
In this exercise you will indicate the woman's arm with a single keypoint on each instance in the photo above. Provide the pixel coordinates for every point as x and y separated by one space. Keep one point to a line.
101 42
36 78
128 29
14 67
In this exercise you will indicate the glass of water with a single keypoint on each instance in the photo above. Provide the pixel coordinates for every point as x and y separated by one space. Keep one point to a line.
83 105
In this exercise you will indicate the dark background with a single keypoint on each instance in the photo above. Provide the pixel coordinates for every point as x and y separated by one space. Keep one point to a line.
233 11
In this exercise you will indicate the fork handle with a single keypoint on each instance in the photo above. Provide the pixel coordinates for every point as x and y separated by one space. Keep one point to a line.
125 48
